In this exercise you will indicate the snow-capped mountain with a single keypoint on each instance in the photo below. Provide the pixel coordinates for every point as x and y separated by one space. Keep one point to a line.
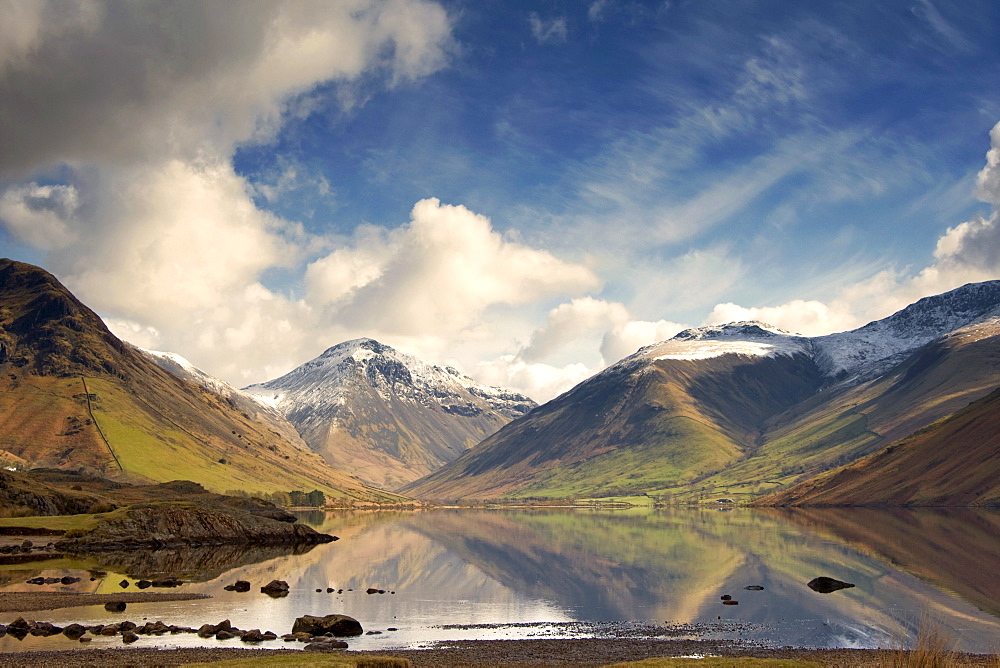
387 416
853 356
865 352
743 406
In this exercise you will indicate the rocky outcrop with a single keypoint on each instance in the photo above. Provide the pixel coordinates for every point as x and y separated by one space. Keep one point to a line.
176 524
18 490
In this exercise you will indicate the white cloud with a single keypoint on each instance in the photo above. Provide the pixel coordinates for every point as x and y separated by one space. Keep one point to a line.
811 318
437 275
40 215
96 81
570 322
624 339
548 31
988 180
539 381
595 12
550 363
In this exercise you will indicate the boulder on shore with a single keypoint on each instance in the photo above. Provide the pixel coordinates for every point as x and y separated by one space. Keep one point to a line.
340 626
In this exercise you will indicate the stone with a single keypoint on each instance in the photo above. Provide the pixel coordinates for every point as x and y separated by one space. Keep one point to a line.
74 631
730 602
67 580
239 585
253 635
123 584
225 635
275 588
167 582
129 637
825 585
337 625
754 588
727 597
330 646
115 606
143 584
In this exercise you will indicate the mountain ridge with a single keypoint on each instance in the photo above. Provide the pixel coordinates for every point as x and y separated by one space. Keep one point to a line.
387 415
714 418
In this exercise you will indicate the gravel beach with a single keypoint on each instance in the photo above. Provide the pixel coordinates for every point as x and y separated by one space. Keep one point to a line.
521 653
476 653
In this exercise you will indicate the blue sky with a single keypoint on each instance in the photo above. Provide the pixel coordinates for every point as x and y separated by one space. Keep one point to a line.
526 190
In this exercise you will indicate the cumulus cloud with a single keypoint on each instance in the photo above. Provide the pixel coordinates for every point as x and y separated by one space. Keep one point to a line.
570 322
437 274
539 381
548 364
625 338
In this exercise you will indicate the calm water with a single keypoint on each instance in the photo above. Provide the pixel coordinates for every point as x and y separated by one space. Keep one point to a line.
468 574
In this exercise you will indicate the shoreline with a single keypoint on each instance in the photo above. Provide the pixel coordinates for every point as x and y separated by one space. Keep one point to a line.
32 601
473 653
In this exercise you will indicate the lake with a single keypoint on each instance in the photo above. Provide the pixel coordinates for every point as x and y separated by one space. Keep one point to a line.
555 573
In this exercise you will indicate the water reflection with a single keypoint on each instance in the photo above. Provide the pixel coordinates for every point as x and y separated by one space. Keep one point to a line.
494 573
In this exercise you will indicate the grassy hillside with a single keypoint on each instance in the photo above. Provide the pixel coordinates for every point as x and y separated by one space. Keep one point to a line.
75 397
636 428
953 462
835 427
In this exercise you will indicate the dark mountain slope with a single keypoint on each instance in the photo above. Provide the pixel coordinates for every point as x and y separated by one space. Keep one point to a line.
953 462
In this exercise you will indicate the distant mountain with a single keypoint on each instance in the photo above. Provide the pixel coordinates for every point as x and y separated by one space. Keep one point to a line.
953 462
386 416
75 397
742 408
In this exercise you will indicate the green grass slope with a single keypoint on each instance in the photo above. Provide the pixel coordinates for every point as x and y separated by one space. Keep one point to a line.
637 427
953 462
841 425
76 397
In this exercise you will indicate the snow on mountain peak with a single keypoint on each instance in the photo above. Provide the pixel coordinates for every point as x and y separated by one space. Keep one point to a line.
751 338
859 354
873 348
327 380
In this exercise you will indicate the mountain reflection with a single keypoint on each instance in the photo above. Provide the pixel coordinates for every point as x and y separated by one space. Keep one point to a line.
196 564
674 565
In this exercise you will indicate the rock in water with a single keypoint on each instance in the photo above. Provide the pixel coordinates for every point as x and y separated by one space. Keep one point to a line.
825 585
275 588
337 625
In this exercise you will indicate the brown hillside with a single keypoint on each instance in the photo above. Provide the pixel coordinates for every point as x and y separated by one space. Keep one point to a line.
954 462
76 397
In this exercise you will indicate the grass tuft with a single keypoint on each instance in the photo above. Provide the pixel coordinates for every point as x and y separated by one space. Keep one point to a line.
933 649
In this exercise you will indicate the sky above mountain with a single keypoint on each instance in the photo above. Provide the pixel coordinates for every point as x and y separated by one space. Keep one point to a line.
527 191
